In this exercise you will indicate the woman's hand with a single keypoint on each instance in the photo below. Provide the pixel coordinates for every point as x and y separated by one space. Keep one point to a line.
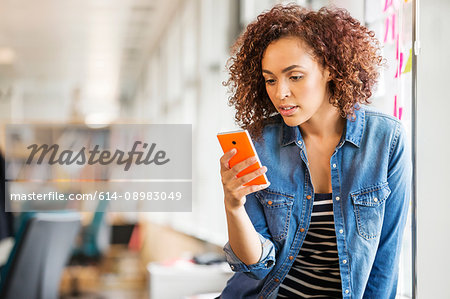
233 187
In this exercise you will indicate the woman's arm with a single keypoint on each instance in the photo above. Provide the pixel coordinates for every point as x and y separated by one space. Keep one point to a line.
248 250
243 238
384 274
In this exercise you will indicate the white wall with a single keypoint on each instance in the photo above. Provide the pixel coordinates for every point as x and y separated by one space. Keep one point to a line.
433 159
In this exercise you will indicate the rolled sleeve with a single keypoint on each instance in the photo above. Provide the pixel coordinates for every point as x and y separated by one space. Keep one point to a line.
258 270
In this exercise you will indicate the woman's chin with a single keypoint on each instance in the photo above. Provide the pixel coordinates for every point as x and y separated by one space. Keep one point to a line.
292 122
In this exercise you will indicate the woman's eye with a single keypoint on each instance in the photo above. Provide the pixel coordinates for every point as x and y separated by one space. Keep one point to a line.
296 78
270 81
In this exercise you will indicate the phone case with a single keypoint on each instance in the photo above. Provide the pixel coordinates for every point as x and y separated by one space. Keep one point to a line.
241 141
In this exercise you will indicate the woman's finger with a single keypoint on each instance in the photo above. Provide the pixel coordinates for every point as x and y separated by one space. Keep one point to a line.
225 159
240 182
251 189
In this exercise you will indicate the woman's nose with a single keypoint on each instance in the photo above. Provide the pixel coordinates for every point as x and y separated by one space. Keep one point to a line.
283 91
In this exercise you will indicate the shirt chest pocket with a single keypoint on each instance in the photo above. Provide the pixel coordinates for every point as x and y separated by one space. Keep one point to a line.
368 205
277 209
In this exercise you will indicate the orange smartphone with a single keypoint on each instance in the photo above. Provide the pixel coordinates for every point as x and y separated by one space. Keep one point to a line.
241 141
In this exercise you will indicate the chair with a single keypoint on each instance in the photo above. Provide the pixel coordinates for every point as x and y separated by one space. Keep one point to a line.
93 243
6 218
43 245
95 238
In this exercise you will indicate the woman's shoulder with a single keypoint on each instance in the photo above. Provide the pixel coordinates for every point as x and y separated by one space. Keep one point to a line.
271 134
273 122
272 126
373 113
380 121
381 126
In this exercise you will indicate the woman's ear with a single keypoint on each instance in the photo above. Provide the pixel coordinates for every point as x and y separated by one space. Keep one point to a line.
327 75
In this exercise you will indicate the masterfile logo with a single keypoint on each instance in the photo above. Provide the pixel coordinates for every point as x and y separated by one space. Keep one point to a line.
132 167
94 156
79 152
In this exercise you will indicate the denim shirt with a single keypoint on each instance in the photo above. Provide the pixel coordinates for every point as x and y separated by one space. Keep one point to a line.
370 179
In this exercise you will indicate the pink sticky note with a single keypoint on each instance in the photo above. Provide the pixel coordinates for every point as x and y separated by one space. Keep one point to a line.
396 47
386 29
395 105
387 3
393 26
398 72
401 64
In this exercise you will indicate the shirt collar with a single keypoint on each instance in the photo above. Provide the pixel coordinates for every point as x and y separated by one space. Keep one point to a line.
353 132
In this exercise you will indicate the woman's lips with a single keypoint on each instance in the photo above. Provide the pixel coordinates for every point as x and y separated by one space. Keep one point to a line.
288 112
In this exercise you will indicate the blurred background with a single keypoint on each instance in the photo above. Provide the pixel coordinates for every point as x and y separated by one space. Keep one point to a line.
115 62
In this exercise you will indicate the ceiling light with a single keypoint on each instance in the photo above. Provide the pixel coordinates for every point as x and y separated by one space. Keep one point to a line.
7 55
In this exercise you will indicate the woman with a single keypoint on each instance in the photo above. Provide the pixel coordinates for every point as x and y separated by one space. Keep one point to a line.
330 224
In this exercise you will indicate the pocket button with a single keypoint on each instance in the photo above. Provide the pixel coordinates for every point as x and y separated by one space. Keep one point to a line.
277 210
369 209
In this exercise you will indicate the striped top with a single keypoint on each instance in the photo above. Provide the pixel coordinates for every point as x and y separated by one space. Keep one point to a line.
315 271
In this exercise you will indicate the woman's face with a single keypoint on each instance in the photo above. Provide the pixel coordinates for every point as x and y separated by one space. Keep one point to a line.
295 82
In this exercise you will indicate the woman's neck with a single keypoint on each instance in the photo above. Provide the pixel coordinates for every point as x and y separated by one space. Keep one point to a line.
326 123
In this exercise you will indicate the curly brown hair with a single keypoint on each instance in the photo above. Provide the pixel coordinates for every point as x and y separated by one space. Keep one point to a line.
337 41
